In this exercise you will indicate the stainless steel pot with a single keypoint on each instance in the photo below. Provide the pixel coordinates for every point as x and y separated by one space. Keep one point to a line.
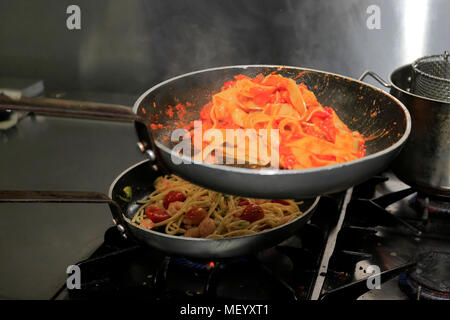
424 161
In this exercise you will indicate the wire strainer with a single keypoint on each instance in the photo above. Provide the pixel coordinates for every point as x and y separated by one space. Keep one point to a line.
431 77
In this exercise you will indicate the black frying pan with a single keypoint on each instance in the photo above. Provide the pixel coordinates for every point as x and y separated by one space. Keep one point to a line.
140 178
377 115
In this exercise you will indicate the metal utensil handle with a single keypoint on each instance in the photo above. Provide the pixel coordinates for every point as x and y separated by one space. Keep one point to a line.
86 110
356 289
65 197
376 77
69 108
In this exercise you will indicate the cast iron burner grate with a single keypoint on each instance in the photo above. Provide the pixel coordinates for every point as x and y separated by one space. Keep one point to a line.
122 268
387 232
139 272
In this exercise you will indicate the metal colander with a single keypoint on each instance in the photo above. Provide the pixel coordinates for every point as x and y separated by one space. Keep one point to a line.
431 77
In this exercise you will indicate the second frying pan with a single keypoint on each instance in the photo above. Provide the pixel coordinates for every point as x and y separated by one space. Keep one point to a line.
379 117
140 179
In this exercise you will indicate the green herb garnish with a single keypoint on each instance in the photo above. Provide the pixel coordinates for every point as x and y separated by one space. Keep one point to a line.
128 194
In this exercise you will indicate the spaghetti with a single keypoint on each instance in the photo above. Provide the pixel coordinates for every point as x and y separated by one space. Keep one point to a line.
310 135
178 207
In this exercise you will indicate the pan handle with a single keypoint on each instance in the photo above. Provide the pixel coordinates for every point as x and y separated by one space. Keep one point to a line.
66 197
69 108
86 110
376 77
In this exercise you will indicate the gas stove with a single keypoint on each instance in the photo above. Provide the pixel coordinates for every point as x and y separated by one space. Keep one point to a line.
370 225
395 227
380 223
287 271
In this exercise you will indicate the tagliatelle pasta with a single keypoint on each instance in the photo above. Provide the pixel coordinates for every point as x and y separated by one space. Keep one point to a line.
178 207
310 135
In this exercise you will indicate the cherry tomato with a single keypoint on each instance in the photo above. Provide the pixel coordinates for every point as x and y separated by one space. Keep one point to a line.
243 202
195 216
283 202
252 213
156 214
173 196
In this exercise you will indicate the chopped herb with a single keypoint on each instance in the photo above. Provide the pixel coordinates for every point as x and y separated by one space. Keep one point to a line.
127 191
242 224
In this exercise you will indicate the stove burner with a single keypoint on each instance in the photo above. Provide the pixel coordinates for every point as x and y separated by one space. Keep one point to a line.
431 205
430 279
203 265
198 266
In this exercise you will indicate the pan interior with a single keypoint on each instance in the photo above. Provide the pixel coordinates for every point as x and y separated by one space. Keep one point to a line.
141 177
363 108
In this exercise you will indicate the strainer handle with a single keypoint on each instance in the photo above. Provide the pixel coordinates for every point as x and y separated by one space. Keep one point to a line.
376 77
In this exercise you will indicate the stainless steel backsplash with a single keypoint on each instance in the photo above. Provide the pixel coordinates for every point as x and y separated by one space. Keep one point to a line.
128 46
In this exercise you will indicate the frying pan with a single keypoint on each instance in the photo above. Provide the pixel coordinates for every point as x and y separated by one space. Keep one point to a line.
140 177
378 116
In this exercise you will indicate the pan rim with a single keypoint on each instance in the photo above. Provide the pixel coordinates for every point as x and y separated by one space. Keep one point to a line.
269 172
113 184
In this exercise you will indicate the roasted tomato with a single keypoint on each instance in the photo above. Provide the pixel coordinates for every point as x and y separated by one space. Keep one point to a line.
283 202
173 196
243 202
195 216
252 213
156 214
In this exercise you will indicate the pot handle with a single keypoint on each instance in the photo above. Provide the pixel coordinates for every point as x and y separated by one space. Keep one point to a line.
376 77
67 197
